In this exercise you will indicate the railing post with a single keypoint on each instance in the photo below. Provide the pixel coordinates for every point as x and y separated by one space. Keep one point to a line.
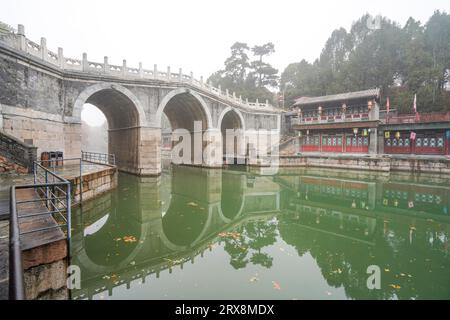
180 75
124 67
155 71
61 60
168 73
44 48
22 39
69 212
46 188
84 62
105 64
192 77
141 71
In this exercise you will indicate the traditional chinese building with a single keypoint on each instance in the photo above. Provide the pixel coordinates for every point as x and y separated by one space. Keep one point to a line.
421 134
340 123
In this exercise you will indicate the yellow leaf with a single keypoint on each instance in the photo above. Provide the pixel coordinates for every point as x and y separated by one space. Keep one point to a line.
395 286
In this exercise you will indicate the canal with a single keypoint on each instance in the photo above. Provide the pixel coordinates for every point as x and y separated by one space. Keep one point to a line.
195 233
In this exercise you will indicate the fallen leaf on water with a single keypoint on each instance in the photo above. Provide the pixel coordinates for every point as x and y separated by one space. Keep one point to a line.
234 235
282 249
117 239
192 204
254 279
395 286
328 293
129 239
132 263
387 270
276 286
402 274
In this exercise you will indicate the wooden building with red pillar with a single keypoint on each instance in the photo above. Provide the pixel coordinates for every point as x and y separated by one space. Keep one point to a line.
420 134
340 123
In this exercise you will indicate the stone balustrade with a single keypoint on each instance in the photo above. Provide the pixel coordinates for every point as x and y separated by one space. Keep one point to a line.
40 51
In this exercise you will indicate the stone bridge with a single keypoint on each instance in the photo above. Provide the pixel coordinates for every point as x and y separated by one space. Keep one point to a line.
42 94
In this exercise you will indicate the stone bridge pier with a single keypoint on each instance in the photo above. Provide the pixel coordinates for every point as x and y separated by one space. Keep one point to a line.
43 92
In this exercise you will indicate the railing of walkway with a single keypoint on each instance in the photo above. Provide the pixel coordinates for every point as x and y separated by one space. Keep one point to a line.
54 199
96 157
57 167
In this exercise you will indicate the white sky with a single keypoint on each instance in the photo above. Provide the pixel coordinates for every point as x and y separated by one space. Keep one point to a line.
92 115
196 34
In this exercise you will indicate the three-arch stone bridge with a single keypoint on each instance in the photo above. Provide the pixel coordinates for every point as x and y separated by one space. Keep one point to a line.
42 94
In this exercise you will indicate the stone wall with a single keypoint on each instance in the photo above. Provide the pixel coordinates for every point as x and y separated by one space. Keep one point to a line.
363 163
419 164
45 271
46 131
94 184
7 166
379 163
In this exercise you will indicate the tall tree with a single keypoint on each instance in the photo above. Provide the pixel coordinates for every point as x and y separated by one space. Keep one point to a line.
402 61
266 74
236 65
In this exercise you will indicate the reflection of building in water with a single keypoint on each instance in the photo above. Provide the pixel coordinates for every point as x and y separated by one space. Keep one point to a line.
416 197
427 201
406 240
169 223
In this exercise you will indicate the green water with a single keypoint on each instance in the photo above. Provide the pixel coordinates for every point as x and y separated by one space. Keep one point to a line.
302 234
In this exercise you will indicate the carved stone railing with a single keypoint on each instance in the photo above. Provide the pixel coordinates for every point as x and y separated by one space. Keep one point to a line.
17 151
40 51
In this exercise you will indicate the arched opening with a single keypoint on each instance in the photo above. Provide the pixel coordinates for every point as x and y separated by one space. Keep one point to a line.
232 195
94 129
184 221
182 109
123 122
231 127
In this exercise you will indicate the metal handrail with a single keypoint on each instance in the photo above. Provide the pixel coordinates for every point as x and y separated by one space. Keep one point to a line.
16 278
45 195
38 165
16 282
97 157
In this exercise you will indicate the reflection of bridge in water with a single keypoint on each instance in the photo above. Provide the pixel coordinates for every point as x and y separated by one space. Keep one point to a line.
171 225
176 218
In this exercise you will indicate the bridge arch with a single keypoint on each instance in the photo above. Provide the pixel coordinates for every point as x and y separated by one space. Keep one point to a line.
125 116
233 112
183 106
90 91
231 118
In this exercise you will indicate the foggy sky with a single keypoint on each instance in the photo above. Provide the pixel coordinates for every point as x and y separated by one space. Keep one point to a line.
196 35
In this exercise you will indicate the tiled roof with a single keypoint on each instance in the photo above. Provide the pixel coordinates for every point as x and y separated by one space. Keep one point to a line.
371 93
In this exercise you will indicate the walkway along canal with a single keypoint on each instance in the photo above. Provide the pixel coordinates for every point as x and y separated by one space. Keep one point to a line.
40 222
